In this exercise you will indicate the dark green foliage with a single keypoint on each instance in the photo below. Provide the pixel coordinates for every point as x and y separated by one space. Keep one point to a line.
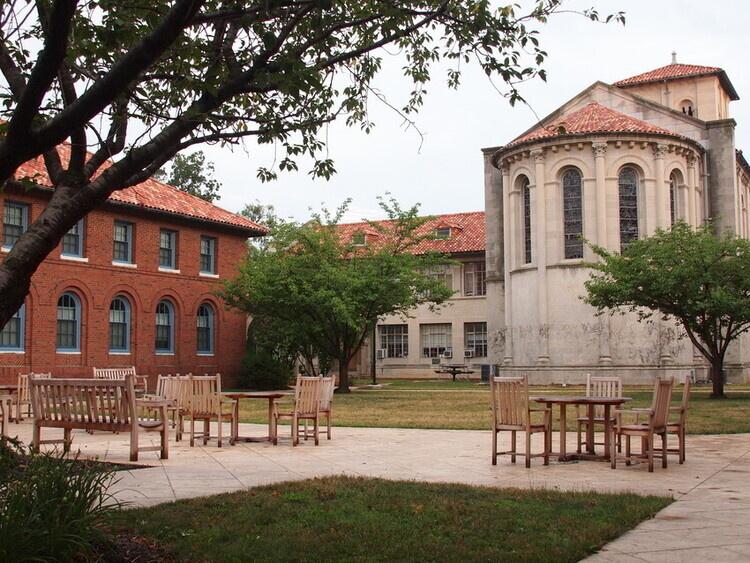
51 508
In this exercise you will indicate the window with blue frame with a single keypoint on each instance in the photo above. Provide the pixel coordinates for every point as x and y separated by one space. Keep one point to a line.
119 325
12 334
72 242
168 249
15 222
205 327
122 250
208 255
68 323
164 343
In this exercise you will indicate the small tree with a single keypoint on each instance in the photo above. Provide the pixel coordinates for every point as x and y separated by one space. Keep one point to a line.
331 293
695 277
191 173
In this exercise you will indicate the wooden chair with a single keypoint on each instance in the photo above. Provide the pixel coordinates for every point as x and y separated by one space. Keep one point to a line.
91 404
678 426
306 406
22 393
511 412
597 387
170 388
658 417
140 381
202 395
326 402
6 402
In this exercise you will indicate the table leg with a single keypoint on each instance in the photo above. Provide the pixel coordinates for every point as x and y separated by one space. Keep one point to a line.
235 422
607 429
563 429
271 426
590 448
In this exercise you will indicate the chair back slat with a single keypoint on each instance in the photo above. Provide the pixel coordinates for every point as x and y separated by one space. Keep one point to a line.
22 385
510 400
113 373
328 386
307 395
203 394
661 401
603 386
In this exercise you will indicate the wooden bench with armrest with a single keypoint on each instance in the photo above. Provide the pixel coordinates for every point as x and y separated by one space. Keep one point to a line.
140 381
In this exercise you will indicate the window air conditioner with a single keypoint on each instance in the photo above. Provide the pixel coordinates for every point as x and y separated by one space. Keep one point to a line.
381 353
468 353
448 353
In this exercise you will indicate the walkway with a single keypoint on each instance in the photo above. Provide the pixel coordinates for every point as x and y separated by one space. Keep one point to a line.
710 518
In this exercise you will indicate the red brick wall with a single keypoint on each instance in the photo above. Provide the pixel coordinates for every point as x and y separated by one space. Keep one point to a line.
97 281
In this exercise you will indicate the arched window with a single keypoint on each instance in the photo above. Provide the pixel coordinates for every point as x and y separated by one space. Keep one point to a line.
628 192
164 343
674 183
119 325
687 107
12 334
572 213
205 328
526 216
68 323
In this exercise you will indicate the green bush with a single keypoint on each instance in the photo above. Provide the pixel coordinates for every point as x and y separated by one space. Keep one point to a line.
52 508
262 371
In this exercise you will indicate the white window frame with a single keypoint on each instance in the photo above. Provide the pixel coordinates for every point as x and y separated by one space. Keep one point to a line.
435 339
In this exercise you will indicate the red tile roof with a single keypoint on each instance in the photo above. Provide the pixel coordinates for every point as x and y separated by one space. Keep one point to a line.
467 233
592 118
151 195
678 71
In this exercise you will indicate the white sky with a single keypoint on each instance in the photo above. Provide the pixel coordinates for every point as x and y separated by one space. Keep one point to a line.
446 174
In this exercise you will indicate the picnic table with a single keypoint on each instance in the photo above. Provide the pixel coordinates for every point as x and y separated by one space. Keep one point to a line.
271 396
590 403
454 369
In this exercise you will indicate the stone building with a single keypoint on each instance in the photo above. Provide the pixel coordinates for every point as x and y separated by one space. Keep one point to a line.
612 164
133 283
414 346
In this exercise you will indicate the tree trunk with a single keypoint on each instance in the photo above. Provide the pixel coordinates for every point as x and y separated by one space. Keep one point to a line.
343 376
717 379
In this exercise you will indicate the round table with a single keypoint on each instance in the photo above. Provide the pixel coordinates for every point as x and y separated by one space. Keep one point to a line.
589 402
271 396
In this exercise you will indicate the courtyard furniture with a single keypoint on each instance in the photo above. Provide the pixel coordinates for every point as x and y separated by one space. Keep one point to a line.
91 404
206 403
22 393
306 406
170 388
6 402
610 386
140 381
237 396
590 403
511 412
679 426
454 370
326 403
658 417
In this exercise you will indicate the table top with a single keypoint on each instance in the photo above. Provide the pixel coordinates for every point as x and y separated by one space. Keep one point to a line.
256 394
8 387
579 400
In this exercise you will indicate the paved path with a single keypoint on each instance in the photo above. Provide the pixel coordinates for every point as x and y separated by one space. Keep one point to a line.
709 520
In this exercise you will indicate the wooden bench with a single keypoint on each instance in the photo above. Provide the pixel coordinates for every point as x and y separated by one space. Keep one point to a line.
94 404
140 381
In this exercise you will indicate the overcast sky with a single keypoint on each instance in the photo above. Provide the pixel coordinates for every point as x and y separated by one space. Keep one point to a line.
445 173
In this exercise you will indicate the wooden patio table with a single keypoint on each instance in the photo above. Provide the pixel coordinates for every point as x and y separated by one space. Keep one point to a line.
589 402
272 396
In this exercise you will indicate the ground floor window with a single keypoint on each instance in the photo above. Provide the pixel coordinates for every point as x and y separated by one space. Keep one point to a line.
435 339
395 340
11 336
475 338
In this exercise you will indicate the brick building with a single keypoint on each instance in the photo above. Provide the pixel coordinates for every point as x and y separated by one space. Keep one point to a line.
134 283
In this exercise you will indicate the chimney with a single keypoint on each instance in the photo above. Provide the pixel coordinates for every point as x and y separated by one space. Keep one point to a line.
674 57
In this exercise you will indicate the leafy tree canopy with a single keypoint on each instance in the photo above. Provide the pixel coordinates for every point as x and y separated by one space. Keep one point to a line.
328 293
695 277
191 173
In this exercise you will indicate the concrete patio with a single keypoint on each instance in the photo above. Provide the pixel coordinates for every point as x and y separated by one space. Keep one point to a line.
710 518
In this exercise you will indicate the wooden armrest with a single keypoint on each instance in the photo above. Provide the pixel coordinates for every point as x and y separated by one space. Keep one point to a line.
675 409
540 410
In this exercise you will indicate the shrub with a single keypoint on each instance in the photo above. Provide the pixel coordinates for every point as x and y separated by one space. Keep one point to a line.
52 508
261 370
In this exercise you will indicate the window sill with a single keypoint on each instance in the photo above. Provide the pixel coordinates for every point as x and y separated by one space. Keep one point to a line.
205 354
168 270
124 264
5 249
73 258
68 352
12 351
208 275
111 353
568 263
164 353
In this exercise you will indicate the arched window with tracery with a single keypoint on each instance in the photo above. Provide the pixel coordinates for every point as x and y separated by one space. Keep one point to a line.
572 213
675 179
205 329
119 325
68 323
526 218
628 198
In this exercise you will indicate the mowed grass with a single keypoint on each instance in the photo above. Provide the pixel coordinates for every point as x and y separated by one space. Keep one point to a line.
355 519
465 406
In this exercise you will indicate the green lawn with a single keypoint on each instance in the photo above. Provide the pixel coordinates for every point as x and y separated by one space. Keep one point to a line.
465 405
352 519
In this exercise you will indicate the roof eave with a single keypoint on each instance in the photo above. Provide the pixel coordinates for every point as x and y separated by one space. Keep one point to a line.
720 74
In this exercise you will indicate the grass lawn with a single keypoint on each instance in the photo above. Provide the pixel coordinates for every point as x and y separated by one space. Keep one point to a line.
354 519
465 405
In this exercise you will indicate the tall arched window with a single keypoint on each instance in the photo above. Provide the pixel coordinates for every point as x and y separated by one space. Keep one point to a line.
119 325
68 323
674 184
628 192
12 334
526 216
572 213
205 328
164 343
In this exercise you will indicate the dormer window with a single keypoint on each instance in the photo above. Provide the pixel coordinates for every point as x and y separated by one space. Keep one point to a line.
443 233
687 107
358 239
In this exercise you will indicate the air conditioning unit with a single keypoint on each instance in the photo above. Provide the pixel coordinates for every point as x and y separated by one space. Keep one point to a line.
468 353
448 353
381 353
